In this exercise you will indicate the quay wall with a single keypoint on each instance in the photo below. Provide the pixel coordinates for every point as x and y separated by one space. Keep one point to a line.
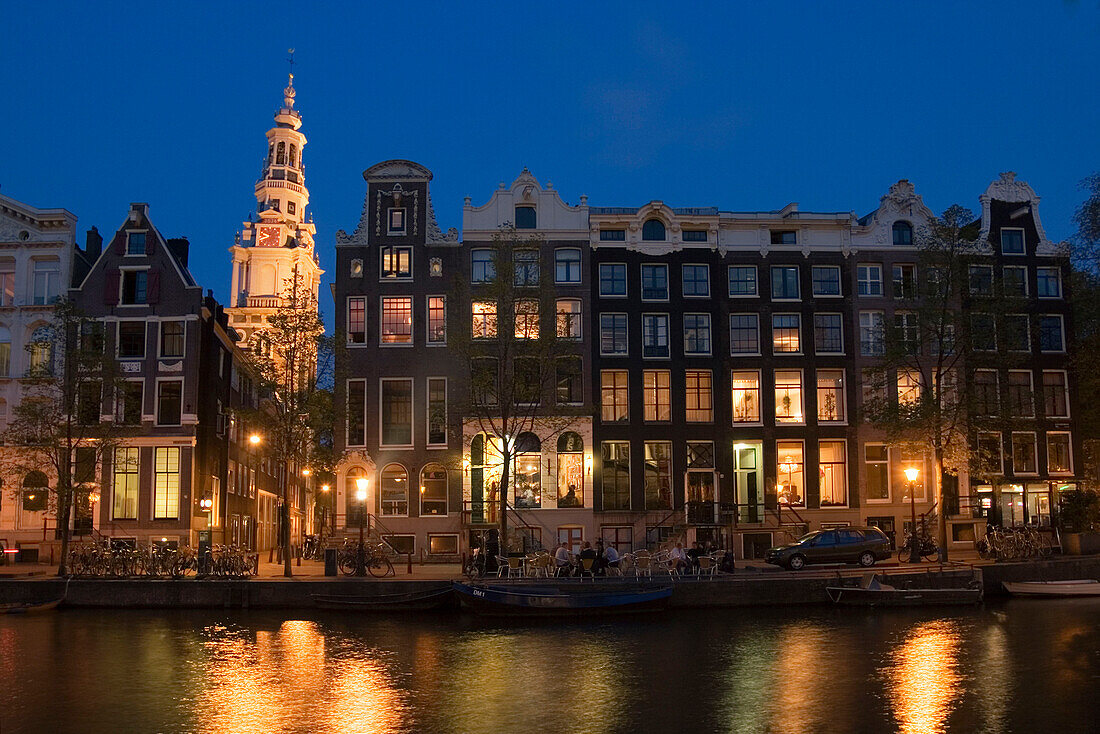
743 589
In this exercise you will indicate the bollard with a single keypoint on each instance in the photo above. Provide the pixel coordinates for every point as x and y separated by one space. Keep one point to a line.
410 568
271 555
51 554
299 549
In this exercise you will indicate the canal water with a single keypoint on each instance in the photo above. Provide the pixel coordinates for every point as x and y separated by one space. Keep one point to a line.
1017 666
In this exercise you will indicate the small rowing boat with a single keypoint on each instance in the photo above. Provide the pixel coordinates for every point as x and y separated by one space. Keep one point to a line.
499 601
1074 587
873 593
29 607
414 601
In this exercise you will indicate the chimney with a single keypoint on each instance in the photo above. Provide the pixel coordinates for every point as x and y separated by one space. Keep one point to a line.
179 246
93 244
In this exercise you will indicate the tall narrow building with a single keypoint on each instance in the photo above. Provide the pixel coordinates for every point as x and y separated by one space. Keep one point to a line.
278 243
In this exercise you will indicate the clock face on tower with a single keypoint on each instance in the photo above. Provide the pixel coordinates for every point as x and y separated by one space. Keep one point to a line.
269 237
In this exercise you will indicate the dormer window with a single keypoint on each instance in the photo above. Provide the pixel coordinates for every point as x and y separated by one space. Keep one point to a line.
653 231
526 218
135 243
695 235
612 235
903 233
1012 242
396 221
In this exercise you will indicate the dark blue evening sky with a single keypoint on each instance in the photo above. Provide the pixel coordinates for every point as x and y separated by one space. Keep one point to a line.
738 106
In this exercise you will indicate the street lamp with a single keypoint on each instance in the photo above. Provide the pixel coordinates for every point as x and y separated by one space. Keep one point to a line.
254 439
361 496
911 476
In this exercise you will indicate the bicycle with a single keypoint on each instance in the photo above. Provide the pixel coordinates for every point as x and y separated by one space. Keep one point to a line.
374 559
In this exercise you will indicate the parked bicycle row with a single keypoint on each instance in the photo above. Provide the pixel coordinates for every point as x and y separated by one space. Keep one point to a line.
1012 544
104 561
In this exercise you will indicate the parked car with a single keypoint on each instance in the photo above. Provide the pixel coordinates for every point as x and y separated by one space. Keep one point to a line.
840 545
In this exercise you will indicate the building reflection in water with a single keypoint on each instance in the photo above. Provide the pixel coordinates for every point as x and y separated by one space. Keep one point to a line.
993 687
277 679
922 680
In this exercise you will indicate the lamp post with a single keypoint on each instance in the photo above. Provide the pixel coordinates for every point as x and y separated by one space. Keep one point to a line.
324 515
361 554
911 476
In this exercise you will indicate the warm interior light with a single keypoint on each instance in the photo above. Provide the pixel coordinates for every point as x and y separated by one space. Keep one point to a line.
911 473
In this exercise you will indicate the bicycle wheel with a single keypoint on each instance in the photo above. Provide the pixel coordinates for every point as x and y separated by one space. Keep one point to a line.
380 566
347 564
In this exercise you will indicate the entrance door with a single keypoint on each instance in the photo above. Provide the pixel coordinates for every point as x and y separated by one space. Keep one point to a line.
750 491
1012 505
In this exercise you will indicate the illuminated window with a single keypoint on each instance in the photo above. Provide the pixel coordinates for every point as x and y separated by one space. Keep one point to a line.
656 395
614 395
570 470
1059 453
394 491
569 318
615 475
527 319
166 483
746 397
527 477
484 324
909 387
433 490
397 326
700 401
830 396
788 397
125 485
876 460
833 469
437 320
790 480
396 262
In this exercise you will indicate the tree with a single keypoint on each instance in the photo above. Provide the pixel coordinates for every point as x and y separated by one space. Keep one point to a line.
519 351
1085 349
285 360
923 394
57 424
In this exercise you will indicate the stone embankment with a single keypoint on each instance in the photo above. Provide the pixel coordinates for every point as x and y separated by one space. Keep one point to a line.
737 590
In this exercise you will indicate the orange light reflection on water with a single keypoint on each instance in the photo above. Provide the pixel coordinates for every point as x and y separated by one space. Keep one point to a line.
922 678
265 684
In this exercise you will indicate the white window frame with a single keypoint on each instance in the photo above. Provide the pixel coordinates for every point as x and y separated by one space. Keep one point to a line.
839 282
668 334
759 399
802 397
842 409
755 281
801 343
427 412
668 284
1023 241
390 231
710 334
625 316
1000 443
1065 393
381 259
626 280
1027 290
580 266
428 341
1058 271
877 267
798 282
1069 435
1035 454
156 400
347 321
1030 389
1062 329
412 419
694 265
381 321
889 475
758 351
814 322
160 338
1027 333
122 285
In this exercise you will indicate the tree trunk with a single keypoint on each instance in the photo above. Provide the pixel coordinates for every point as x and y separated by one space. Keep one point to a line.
941 516
64 510
505 478
288 567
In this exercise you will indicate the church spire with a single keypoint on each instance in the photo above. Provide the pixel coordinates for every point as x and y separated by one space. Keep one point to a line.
281 193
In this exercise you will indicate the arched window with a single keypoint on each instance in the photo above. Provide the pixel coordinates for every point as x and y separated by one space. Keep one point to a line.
433 490
280 154
903 233
270 154
653 230
528 471
354 506
5 352
525 217
394 491
41 351
570 470
293 155
36 491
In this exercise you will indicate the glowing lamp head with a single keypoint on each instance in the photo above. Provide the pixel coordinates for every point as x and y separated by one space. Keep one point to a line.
305 472
206 504
361 489
911 473
254 439
324 487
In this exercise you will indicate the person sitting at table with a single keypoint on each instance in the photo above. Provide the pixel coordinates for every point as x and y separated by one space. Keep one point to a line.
598 564
677 559
611 557
693 556
561 559
587 553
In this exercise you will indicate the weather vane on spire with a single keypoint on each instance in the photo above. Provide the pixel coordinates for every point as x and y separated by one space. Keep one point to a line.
288 93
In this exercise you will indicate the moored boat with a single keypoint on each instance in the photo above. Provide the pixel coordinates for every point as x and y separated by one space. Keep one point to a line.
414 601
1073 587
499 601
29 607
873 593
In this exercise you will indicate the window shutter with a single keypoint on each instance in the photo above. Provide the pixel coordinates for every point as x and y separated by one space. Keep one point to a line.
152 294
110 287
150 243
120 244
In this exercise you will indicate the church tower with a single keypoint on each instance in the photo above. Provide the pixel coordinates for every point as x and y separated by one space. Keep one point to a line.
276 246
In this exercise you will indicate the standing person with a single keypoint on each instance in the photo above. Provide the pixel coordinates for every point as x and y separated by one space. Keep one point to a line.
598 566
561 559
677 559
611 557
